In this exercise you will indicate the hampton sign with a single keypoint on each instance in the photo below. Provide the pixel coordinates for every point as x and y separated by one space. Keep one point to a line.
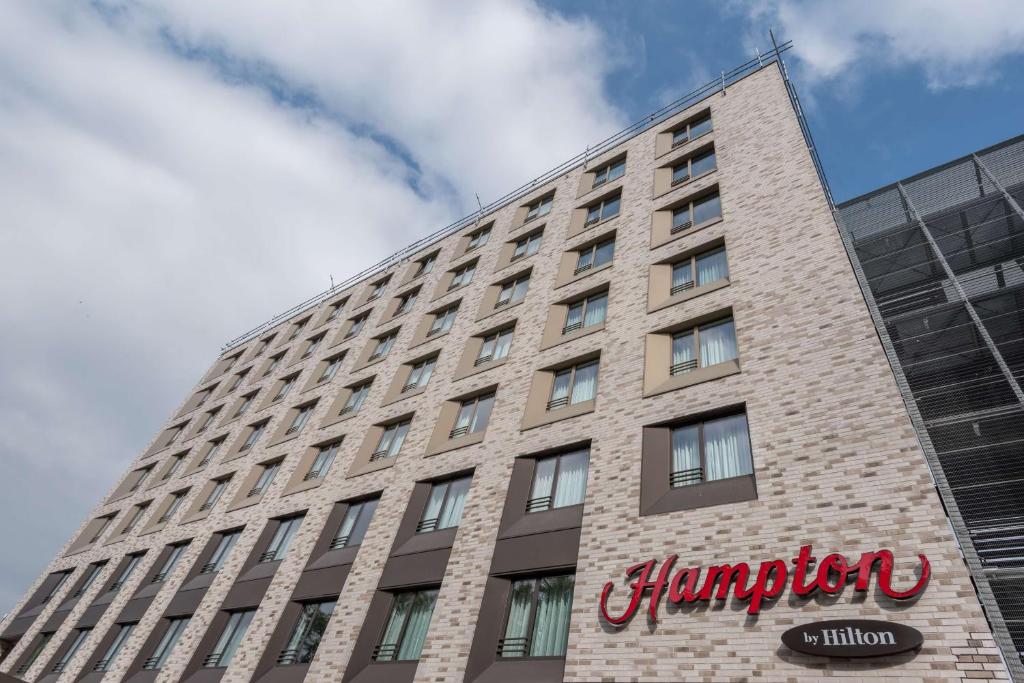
852 638
831 576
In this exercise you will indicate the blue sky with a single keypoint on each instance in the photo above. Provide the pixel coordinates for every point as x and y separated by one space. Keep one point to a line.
172 174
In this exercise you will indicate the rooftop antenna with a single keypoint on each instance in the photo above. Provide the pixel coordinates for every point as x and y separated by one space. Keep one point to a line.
480 213
332 280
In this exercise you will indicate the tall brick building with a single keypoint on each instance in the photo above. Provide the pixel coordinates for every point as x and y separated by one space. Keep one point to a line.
655 358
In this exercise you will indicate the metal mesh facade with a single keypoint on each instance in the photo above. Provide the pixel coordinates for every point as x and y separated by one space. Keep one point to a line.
940 258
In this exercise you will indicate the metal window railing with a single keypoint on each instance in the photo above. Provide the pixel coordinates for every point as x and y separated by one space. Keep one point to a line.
458 431
384 653
213 660
683 368
558 403
288 657
682 287
581 269
681 226
151 664
311 475
572 327
378 455
339 542
487 358
208 568
427 525
686 477
515 647
268 556
539 504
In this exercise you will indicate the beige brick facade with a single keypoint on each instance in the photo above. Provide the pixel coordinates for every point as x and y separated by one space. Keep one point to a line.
836 460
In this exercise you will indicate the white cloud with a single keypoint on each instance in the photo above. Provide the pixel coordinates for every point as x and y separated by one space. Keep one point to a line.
953 43
161 196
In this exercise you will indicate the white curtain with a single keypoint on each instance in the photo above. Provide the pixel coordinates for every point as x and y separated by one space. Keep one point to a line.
502 345
419 622
712 268
572 479
543 478
452 513
574 315
717 343
560 389
518 618
465 413
727 447
596 309
554 609
682 348
399 612
682 273
433 509
584 385
685 450
484 405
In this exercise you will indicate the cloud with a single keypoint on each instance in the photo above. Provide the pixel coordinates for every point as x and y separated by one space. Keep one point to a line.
173 174
953 43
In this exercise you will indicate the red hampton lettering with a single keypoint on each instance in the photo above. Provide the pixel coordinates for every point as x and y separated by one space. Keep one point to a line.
829 576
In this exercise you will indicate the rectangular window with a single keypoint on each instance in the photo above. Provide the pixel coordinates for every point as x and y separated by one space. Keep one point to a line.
383 345
425 265
215 494
170 562
298 329
478 239
703 346
691 131
237 381
696 212
407 626
172 466
610 172
336 310
286 530
286 385
586 313
495 346
357 325
126 573
245 404
603 210
378 289
709 267
559 481
92 571
230 638
141 476
356 398
80 636
221 552
391 440
137 512
526 246
420 374
104 525
41 642
265 480
176 501
62 578
354 525
406 302
463 276
694 167
541 207
323 461
445 505
513 291
275 361
215 447
474 414
300 419
574 385
538 617
443 321
314 344
710 450
308 631
110 655
595 256
208 419
254 435
331 369
175 627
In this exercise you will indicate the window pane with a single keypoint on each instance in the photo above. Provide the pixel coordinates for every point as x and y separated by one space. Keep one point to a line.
451 515
543 478
434 503
727 447
596 308
594 214
533 245
503 344
698 128
574 316
611 208
604 252
560 388
616 170
717 343
680 216
358 532
680 173
683 352
585 258
518 624
399 612
487 348
585 383
682 273
572 479
483 414
703 163
231 638
554 609
308 631
686 456
419 621
465 414
712 267
519 290
707 209
399 438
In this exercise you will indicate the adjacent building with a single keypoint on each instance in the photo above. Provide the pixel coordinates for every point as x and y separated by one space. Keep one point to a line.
632 423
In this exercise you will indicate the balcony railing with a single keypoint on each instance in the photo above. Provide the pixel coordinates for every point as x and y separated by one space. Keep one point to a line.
379 455
151 664
487 358
409 386
458 431
339 542
539 504
254 491
311 475
427 525
572 327
682 287
288 657
582 269
686 477
558 403
100 665
385 653
682 226
683 368
268 556
208 568
212 660
513 647
680 180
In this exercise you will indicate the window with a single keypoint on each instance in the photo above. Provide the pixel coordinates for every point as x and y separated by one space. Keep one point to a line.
406 302
703 346
62 578
595 256
274 362
586 313
137 512
215 447
691 131
336 310
245 404
610 172
474 414
331 369
694 167
603 210
710 450
126 573
478 239
383 345
377 289
80 636
300 419
495 346
541 207
230 639
323 461
176 500
356 398
254 434
420 374
297 330
444 507
574 385
207 420
407 626
110 655
175 627
286 530
526 246
221 553
513 291
141 476
286 385
354 525
696 212
357 325
443 320
264 343
237 381
266 479
313 345
92 571
203 396
170 562
215 493
308 631
709 267
559 481
538 617
104 524
41 643
425 265
391 440
462 276
172 466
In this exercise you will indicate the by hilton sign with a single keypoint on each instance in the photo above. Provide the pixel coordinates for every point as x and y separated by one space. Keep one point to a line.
852 638
828 576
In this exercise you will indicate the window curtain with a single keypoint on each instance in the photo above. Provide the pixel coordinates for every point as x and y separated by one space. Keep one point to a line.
488 347
324 460
433 509
419 621
425 372
234 631
554 609
711 268
543 478
717 343
483 413
585 258
399 612
727 447
518 619
572 479
574 315
585 383
349 523
680 216
681 274
355 536
520 289
560 389
685 449
502 345
451 515
596 309
465 414
682 348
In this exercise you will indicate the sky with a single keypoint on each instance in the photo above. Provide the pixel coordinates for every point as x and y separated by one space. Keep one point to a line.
173 174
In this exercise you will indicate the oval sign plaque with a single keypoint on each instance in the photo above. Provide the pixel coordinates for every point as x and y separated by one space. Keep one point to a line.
852 638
